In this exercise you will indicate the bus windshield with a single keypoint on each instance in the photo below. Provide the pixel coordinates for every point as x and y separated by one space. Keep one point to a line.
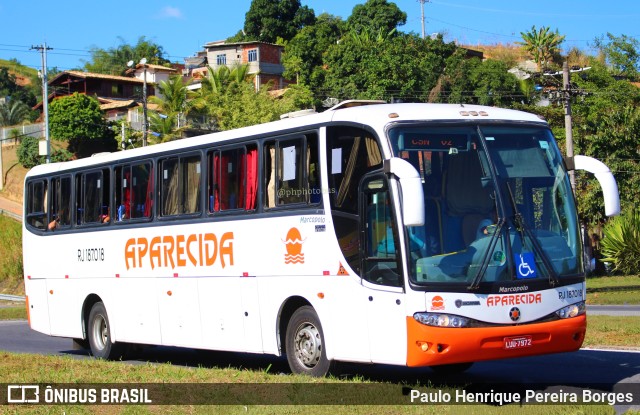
498 205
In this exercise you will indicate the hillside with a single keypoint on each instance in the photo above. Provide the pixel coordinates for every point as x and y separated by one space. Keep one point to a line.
25 76
13 174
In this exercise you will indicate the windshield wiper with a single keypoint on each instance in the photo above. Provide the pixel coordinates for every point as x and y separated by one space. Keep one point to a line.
522 227
475 284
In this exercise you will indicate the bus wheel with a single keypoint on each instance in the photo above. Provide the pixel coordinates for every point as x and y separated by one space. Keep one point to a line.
99 333
305 344
452 368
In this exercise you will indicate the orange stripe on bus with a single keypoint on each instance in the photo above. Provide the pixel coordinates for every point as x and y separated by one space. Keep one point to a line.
428 346
28 313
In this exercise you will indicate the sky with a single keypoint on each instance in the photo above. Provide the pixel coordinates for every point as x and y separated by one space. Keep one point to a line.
72 28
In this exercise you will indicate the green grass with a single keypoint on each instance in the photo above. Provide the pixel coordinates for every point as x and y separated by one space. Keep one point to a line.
616 331
11 273
599 283
13 313
27 369
614 290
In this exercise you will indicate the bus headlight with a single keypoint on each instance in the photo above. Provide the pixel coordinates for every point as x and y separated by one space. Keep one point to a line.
572 310
441 320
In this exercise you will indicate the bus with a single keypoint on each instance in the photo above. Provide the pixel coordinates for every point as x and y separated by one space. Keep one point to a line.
405 234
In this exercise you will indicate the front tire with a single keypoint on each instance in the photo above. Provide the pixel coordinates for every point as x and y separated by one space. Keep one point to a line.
99 333
305 345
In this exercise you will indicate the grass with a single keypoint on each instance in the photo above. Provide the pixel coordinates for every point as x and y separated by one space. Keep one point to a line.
11 273
616 331
13 313
613 290
28 369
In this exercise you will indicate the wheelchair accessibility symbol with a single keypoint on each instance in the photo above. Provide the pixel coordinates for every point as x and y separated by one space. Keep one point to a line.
525 265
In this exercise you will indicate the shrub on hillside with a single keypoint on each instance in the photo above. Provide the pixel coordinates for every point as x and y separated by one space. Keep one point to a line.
621 242
28 153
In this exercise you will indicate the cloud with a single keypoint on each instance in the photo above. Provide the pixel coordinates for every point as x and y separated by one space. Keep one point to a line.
169 12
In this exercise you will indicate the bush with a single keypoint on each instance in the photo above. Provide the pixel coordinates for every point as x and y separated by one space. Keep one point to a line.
621 242
28 152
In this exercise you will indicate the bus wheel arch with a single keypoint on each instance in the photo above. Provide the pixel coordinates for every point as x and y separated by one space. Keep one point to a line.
287 309
84 318
305 345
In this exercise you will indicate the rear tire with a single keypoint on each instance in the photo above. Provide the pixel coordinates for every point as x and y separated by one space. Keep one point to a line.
99 334
305 345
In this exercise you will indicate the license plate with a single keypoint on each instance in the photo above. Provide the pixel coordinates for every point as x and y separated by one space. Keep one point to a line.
517 342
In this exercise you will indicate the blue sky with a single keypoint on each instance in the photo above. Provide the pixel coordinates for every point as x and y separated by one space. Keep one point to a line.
71 28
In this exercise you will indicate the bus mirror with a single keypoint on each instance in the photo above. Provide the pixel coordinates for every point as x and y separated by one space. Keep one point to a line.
412 194
487 183
606 180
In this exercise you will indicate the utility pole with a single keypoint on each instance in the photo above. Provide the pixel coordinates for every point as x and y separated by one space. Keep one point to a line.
422 2
566 89
45 95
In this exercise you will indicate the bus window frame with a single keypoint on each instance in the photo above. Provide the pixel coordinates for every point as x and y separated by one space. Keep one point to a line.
158 186
78 221
130 164
276 140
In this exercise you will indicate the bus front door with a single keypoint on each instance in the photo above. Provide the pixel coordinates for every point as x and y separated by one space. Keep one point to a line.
381 271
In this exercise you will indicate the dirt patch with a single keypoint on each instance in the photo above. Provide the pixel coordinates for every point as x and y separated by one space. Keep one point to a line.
13 174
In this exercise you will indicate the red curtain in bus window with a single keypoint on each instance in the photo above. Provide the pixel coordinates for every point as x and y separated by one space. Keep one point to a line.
252 179
149 202
216 177
240 185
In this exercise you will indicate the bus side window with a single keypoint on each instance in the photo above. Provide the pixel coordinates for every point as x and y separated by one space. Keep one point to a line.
37 204
291 171
180 190
60 202
92 197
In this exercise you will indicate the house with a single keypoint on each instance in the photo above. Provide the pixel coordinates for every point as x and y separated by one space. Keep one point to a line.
120 97
264 60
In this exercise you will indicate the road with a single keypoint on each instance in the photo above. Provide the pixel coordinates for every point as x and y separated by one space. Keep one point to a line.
598 370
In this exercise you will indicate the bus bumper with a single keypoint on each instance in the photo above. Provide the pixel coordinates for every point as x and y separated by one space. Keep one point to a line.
430 346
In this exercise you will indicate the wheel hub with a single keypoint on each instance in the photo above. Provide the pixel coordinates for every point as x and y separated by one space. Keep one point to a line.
308 345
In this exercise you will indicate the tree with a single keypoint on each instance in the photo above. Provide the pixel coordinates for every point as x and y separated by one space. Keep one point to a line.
113 61
268 20
10 88
376 16
473 81
542 44
403 66
606 126
78 120
304 53
621 52
171 104
13 113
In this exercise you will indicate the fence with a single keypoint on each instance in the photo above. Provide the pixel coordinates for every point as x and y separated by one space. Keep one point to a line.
32 130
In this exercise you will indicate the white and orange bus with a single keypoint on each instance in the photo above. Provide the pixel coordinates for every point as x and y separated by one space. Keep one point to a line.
406 234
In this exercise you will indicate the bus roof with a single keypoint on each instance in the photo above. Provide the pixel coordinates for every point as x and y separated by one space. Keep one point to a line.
374 114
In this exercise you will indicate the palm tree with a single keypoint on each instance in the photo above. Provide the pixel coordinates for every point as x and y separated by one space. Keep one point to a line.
172 101
13 113
541 44
218 82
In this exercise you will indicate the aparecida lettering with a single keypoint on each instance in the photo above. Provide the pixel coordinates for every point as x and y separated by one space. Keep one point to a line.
199 250
513 299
